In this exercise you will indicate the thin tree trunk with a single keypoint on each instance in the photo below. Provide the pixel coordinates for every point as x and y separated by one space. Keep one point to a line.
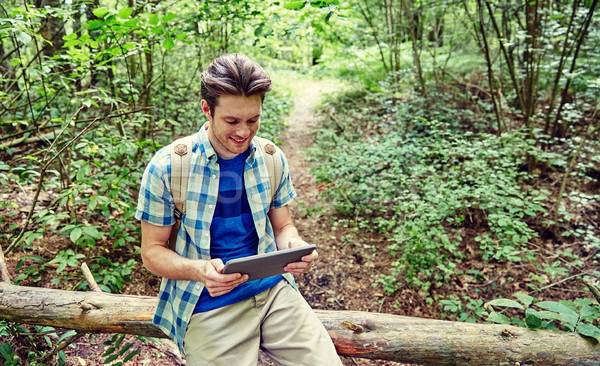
408 12
369 20
52 30
510 65
565 92
559 71
486 52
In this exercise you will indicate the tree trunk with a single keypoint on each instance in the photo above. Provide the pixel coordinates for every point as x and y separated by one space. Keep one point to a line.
408 12
354 333
52 30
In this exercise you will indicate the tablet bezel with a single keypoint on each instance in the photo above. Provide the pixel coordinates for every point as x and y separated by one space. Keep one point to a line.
267 264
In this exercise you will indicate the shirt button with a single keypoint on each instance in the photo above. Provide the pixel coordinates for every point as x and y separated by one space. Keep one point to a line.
206 234
211 206
214 176
197 287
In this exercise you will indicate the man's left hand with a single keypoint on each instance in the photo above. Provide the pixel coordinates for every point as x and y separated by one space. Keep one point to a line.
297 268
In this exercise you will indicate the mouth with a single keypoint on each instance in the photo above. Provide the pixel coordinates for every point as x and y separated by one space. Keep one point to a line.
238 142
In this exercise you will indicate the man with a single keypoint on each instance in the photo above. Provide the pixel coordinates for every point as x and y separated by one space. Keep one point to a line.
215 318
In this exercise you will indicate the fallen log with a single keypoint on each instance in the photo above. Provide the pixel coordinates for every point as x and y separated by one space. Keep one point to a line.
354 333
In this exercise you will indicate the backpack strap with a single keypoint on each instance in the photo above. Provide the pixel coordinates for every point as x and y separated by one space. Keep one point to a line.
181 156
273 162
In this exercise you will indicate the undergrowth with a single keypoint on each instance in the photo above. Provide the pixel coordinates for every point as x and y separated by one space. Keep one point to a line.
427 173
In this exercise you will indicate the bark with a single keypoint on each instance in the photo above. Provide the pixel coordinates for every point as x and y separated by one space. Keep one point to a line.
52 30
408 12
93 312
496 99
354 333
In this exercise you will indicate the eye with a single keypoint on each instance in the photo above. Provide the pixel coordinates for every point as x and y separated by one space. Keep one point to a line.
252 120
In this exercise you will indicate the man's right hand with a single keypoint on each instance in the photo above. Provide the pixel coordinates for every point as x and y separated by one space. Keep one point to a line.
217 283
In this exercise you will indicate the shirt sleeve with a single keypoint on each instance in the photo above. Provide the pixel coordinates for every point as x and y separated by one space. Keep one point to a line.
285 192
155 203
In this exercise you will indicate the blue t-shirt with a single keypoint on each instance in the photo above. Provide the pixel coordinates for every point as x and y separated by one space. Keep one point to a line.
232 234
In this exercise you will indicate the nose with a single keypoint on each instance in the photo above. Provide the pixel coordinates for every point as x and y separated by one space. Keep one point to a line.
243 131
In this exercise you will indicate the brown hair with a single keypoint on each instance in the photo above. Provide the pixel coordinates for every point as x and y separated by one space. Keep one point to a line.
233 74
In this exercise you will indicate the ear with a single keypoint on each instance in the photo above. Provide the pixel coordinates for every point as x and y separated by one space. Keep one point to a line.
206 109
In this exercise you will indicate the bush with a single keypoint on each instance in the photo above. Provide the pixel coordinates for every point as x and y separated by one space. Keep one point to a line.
419 181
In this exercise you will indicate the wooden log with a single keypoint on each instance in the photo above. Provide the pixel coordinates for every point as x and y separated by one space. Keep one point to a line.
354 333
439 342
93 312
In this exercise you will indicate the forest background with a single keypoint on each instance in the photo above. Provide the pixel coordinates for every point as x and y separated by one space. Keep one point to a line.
464 136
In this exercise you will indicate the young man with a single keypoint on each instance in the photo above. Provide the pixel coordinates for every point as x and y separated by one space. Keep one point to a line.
215 318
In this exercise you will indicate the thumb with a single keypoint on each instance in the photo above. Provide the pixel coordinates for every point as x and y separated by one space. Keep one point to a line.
218 264
295 242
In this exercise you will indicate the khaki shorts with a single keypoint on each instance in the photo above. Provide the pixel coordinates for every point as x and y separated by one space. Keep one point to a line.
278 321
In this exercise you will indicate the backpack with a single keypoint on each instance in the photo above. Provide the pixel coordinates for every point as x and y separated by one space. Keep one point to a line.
180 167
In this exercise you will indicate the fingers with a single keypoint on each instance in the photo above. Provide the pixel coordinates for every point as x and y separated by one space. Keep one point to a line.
219 284
297 268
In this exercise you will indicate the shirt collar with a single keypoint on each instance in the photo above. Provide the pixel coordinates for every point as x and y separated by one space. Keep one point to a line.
205 145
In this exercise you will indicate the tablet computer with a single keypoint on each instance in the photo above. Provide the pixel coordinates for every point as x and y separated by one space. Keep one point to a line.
267 264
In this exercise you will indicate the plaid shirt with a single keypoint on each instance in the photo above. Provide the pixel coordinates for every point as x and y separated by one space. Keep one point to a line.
177 298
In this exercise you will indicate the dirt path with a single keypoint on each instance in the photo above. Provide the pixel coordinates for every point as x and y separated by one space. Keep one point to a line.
342 278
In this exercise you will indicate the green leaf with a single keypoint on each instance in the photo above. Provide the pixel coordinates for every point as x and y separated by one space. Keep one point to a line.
550 315
24 37
94 24
589 330
168 43
524 298
109 351
92 204
71 43
507 303
110 359
61 266
83 172
167 18
125 13
100 12
125 349
533 319
498 318
556 307
131 355
66 335
295 5
92 231
153 19
6 351
589 312
76 234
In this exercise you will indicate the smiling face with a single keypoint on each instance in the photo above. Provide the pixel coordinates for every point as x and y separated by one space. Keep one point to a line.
233 124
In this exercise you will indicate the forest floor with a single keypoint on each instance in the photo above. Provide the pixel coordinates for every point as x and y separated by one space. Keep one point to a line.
344 278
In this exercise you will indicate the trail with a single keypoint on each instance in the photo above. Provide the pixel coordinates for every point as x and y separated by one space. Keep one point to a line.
342 278
298 137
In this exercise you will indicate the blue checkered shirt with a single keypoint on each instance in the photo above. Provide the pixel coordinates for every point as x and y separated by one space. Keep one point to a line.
177 298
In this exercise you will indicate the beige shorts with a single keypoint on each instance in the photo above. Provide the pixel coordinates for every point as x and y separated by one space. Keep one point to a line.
278 321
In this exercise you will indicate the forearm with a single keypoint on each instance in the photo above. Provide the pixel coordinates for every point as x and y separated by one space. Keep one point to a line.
166 263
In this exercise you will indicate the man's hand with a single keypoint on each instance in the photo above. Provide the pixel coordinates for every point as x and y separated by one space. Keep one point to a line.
219 284
297 268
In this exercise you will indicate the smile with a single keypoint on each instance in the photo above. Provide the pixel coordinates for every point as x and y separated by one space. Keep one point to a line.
238 141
